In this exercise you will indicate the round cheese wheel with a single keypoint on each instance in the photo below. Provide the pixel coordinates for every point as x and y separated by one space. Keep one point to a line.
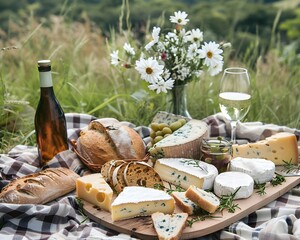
228 182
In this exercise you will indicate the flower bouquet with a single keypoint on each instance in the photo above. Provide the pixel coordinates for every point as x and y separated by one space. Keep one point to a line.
172 59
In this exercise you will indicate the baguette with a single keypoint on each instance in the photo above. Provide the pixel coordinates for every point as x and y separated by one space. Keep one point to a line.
39 188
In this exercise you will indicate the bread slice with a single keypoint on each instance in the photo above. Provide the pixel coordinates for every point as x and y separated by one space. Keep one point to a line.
169 227
141 174
185 204
40 188
118 181
108 168
206 200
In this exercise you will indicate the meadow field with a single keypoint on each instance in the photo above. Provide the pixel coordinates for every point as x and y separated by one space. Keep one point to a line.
86 82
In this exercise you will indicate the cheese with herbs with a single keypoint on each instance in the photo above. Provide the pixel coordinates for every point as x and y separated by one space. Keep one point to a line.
278 148
228 182
94 189
260 170
184 142
185 172
140 201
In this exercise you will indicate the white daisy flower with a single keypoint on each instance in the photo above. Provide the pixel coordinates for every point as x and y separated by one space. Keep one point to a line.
180 18
198 73
155 38
192 51
115 58
214 70
149 69
195 36
162 85
211 54
130 50
184 73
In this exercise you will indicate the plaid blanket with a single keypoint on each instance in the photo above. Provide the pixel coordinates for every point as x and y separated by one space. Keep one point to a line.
62 218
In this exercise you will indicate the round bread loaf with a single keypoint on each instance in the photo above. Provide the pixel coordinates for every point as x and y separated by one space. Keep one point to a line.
99 144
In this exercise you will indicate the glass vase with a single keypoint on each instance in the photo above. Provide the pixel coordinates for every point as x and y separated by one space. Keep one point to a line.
177 101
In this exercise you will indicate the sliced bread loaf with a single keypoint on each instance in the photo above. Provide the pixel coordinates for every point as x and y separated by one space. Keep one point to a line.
206 200
167 226
141 174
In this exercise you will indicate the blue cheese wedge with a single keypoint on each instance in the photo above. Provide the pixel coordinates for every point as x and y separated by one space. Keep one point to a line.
140 201
260 170
228 182
185 204
185 172
206 200
169 226
184 142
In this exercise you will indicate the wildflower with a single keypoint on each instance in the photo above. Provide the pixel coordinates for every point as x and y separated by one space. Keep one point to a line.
180 18
130 50
149 69
211 54
161 85
215 69
115 57
155 38
195 36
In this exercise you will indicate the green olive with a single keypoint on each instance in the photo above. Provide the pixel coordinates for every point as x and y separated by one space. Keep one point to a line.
153 134
175 125
162 125
154 126
183 121
159 133
167 130
158 138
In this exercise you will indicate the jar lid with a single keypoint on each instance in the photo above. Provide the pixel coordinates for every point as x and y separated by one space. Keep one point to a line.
216 143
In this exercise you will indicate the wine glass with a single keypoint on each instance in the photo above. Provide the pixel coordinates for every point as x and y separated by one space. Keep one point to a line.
235 96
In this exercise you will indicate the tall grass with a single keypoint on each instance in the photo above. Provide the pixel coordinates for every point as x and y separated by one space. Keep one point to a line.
85 82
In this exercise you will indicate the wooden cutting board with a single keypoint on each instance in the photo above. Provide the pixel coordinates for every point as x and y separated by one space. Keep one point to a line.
141 227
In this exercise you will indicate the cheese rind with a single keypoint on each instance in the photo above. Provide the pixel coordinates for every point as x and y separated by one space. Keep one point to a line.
206 200
184 142
185 172
278 148
260 170
228 182
94 189
140 201
185 204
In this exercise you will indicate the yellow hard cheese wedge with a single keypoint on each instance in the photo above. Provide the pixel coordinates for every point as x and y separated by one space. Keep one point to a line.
93 189
278 148
140 201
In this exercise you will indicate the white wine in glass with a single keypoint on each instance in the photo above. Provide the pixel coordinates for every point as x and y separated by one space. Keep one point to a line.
235 96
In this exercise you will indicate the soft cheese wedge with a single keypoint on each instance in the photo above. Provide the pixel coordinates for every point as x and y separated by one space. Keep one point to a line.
169 227
278 148
260 170
229 182
185 204
185 172
184 142
94 189
206 200
140 201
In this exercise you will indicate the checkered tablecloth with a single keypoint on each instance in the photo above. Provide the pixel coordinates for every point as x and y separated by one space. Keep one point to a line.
62 219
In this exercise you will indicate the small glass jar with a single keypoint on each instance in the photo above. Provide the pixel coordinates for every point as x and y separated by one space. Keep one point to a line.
216 151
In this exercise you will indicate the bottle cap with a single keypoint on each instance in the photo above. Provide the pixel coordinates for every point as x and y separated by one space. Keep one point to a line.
44 63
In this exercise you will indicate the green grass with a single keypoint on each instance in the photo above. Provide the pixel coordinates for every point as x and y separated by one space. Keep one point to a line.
85 82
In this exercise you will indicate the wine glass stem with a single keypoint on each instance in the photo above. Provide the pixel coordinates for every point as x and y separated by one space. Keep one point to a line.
233 131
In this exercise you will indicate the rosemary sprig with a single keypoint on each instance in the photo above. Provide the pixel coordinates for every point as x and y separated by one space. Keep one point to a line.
290 167
226 202
277 180
80 209
196 163
261 188
201 215
171 189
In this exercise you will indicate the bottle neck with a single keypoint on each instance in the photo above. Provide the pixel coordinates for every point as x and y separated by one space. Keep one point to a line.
45 79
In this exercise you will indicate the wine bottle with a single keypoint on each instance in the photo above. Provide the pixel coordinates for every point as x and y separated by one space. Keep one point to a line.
50 121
